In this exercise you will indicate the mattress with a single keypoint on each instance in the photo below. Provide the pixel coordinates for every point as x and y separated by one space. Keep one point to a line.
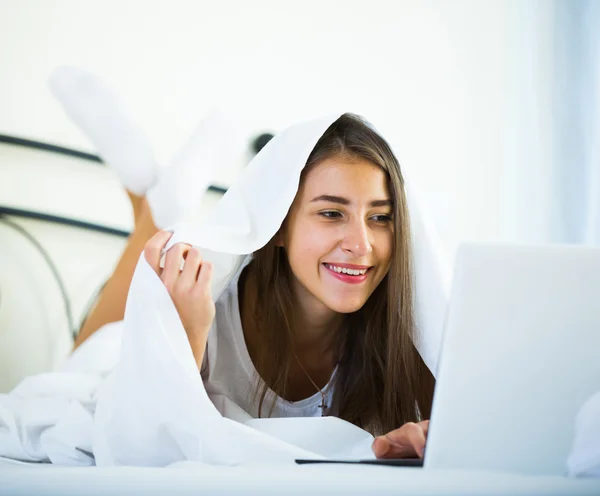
192 478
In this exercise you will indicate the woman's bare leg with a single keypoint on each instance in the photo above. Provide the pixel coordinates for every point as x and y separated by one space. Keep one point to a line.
110 306
137 205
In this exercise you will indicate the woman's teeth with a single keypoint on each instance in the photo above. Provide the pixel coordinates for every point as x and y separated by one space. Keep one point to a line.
344 270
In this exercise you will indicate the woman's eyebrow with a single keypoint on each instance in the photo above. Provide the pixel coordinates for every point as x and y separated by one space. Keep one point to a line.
381 203
344 201
332 199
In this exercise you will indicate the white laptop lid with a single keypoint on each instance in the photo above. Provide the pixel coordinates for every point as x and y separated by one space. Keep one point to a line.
521 354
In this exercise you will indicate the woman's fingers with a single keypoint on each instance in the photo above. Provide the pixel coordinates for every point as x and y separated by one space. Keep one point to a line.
189 287
189 274
407 441
153 249
417 439
170 273
381 447
203 285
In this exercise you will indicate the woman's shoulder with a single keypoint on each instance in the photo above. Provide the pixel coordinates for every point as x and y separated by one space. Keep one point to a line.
226 349
228 301
230 289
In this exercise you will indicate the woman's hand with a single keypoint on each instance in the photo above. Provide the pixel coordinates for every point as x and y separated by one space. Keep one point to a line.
190 288
406 442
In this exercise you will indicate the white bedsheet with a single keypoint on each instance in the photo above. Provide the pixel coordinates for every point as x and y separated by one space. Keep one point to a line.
584 460
151 408
289 479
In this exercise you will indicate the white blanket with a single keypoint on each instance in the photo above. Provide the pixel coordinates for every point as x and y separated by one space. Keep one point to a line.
584 460
152 408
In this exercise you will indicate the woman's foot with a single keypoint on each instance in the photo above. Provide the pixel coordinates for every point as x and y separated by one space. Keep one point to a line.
178 192
174 192
100 114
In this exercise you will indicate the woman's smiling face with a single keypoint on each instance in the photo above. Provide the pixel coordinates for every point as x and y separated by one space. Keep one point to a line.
339 234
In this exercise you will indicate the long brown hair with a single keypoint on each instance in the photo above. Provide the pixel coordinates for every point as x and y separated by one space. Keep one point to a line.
381 381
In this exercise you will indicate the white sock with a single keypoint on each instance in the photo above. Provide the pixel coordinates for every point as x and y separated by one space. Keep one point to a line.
100 114
179 190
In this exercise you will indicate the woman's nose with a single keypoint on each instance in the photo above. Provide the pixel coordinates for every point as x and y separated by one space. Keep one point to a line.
356 240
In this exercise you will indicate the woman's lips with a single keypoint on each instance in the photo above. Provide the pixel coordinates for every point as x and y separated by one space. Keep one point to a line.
348 278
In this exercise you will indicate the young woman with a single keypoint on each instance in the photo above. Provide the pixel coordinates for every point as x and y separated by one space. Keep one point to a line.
320 320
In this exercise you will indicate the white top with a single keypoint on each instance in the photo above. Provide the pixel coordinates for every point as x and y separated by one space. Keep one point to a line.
229 375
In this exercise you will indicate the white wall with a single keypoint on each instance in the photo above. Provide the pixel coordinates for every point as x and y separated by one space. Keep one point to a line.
432 74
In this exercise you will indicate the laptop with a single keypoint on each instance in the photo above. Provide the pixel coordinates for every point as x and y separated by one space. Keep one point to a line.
521 354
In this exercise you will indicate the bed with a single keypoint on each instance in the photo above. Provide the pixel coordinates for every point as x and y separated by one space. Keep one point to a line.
191 478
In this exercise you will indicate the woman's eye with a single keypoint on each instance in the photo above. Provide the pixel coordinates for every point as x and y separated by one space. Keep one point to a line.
330 214
382 218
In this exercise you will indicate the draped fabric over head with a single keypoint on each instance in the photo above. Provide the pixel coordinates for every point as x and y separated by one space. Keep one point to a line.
170 417
253 209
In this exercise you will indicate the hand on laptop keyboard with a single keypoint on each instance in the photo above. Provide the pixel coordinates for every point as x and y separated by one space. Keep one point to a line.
406 442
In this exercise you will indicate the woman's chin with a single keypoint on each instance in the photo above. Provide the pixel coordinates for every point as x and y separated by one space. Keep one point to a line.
346 305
